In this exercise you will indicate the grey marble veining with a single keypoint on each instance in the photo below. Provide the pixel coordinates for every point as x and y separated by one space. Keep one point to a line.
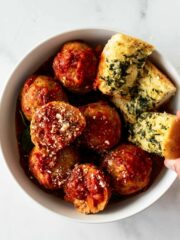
24 24
143 9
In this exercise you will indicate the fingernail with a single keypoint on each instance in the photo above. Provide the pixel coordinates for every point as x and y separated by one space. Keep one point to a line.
170 164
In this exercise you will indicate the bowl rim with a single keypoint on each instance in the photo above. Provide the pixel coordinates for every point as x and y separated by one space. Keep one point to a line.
7 164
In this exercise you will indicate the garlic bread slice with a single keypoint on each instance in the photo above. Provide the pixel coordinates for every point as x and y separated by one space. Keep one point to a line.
157 133
121 60
152 89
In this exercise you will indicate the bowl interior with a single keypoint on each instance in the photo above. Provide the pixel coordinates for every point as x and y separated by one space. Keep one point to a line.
9 147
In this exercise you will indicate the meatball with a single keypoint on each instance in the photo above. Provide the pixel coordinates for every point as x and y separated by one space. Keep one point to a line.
37 91
75 66
103 128
129 167
87 188
51 171
55 125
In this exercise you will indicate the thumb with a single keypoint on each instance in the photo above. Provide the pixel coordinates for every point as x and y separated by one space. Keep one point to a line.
174 165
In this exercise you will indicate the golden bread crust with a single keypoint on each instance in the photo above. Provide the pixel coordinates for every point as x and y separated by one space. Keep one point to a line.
152 90
172 141
121 60
158 133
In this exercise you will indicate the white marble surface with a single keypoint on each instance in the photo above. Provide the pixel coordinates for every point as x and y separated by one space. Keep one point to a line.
24 24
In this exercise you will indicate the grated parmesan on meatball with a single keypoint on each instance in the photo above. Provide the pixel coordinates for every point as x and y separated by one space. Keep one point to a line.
87 188
55 125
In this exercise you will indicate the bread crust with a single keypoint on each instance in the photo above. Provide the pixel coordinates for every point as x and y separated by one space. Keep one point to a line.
172 141
157 133
152 90
121 60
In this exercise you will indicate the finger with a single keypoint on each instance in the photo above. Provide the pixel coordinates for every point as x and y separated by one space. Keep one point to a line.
173 165
178 114
170 164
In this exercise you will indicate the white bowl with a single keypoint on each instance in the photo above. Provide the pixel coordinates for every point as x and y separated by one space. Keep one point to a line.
28 65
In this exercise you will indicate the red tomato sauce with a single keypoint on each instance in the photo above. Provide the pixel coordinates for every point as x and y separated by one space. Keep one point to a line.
86 154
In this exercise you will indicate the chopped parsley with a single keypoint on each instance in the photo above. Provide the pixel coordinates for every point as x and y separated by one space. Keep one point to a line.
149 131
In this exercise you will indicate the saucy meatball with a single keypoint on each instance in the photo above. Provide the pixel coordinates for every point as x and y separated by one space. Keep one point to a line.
103 126
129 167
75 66
87 188
51 171
37 91
55 125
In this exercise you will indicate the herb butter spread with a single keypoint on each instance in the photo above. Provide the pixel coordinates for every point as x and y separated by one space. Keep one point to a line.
152 89
151 131
121 61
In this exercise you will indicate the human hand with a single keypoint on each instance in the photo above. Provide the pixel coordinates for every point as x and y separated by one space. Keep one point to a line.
174 164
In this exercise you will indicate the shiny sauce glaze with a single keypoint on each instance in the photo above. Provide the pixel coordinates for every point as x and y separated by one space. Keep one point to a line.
87 155
56 125
87 182
74 59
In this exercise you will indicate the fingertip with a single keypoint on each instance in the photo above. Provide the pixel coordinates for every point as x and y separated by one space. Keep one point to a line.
178 114
174 165
170 164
